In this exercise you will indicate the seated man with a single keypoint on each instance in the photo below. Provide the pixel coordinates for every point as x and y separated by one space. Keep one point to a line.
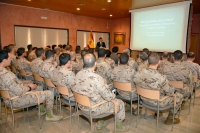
150 78
9 81
164 63
114 55
58 52
124 73
36 63
32 54
194 67
109 60
143 61
63 75
76 66
47 67
131 61
23 64
178 72
11 49
103 68
90 84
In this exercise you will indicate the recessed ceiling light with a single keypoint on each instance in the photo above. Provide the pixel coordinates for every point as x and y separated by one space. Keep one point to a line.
110 15
109 0
78 9
29 0
103 9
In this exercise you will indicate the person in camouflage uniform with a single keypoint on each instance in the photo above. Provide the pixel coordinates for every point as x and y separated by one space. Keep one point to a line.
131 61
36 63
58 52
143 61
194 67
9 82
23 64
150 78
164 63
109 60
76 66
178 72
90 84
124 73
63 75
103 68
78 53
48 66
32 54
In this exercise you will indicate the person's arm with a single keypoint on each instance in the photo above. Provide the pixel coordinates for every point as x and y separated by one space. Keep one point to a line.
14 85
104 90
166 87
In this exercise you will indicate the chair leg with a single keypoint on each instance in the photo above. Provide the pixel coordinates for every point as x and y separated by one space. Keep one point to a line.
138 110
145 114
70 117
40 126
157 116
190 103
91 121
56 105
194 94
131 108
13 121
60 108
173 119
6 115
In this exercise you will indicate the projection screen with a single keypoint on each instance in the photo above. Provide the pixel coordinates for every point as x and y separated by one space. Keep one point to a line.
160 28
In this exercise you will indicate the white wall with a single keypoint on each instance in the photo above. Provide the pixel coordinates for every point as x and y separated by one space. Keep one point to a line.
39 37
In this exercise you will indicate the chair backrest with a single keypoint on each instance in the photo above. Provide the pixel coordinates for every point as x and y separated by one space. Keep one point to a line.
63 90
195 78
49 83
81 99
122 86
13 69
147 93
176 84
22 73
37 77
5 94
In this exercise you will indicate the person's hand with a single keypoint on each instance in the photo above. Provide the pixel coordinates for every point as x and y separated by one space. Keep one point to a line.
33 86
55 63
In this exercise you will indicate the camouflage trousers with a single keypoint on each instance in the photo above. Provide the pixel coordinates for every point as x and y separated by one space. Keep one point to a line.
168 101
31 99
126 94
198 84
185 93
108 108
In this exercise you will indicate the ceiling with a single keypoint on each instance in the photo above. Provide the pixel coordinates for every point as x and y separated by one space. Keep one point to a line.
93 8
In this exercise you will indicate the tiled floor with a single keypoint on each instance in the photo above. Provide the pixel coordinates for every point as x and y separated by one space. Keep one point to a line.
189 123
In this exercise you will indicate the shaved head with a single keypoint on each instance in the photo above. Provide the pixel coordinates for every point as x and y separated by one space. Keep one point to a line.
89 60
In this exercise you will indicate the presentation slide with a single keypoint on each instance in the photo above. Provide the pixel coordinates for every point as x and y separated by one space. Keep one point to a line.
160 28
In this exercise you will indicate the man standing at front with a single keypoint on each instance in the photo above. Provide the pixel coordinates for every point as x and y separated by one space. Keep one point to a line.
90 84
101 43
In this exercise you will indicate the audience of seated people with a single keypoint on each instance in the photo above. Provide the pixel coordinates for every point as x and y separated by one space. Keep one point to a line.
84 72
